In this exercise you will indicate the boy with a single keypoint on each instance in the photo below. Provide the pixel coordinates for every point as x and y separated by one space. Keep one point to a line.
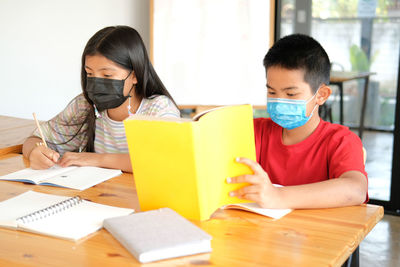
320 164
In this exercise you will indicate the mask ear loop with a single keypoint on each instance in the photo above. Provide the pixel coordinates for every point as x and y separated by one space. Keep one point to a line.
96 112
312 112
313 95
316 105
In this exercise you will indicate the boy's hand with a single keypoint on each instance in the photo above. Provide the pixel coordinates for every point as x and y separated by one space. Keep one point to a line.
42 157
261 189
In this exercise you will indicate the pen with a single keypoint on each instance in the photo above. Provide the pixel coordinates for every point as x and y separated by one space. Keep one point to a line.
40 130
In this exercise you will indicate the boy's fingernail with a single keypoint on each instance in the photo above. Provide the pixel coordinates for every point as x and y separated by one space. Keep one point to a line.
232 194
229 180
237 159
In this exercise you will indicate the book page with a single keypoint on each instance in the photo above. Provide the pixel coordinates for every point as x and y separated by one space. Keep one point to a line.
75 222
201 114
254 207
35 176
81 178
23 204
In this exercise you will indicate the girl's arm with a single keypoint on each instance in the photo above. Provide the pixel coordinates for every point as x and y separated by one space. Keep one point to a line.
29 145
104 160
67 131
40 157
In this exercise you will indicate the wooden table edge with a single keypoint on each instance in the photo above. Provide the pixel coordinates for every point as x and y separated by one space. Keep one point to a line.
11 150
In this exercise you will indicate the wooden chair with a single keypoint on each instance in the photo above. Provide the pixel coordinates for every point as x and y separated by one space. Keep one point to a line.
364 155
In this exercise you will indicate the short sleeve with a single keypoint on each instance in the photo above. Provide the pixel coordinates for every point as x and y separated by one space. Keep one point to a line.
346 154
160 106
67 131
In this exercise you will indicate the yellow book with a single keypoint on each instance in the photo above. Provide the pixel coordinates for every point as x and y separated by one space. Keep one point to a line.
183 164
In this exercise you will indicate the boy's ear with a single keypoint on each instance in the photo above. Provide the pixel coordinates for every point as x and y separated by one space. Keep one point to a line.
323 93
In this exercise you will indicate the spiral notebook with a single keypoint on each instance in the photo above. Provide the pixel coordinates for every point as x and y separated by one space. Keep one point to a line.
64 217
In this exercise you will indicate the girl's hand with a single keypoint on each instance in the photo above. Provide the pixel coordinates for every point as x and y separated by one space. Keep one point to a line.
261 189
42 157
78 159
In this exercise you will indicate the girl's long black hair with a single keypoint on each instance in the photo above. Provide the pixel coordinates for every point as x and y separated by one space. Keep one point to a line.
124 46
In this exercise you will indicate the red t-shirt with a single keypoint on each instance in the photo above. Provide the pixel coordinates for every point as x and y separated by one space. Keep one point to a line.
328 152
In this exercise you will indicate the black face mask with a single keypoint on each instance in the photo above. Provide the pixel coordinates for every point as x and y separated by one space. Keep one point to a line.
106 93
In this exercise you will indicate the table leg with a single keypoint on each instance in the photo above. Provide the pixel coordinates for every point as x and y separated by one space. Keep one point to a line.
353 260
363 107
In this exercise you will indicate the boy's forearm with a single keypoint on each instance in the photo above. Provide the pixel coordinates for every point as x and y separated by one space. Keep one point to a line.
350 189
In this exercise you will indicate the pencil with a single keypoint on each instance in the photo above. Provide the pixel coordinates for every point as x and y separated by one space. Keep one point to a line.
40 130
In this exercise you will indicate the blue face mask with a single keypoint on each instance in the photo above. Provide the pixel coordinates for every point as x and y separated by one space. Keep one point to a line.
288 113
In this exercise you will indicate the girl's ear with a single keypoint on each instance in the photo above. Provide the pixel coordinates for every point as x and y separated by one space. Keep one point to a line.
323 93
134 79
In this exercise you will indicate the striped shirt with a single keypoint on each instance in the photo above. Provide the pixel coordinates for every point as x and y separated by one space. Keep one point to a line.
68 130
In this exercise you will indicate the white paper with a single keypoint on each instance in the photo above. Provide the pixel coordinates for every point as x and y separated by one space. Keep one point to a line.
73 177
23 204
254 207
71 223
76 222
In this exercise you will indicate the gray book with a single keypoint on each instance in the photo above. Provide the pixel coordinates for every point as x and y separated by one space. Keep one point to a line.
158 234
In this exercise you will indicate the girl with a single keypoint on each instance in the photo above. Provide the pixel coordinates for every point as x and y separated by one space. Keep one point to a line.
117 80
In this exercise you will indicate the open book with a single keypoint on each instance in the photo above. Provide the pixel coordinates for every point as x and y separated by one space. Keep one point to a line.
64 217
73 177
183 164
254 207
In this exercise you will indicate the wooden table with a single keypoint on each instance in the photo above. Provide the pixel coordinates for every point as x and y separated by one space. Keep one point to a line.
321 237
13 132
338 78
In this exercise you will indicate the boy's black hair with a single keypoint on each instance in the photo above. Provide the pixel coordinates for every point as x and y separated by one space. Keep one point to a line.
299 51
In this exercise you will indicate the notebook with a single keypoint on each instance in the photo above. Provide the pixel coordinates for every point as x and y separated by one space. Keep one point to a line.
74 177
64 217
158 234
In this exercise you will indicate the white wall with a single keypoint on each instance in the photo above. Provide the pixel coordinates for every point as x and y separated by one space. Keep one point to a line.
211 51
41 44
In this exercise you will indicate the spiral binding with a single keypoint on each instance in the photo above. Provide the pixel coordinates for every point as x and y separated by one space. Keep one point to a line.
51 210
